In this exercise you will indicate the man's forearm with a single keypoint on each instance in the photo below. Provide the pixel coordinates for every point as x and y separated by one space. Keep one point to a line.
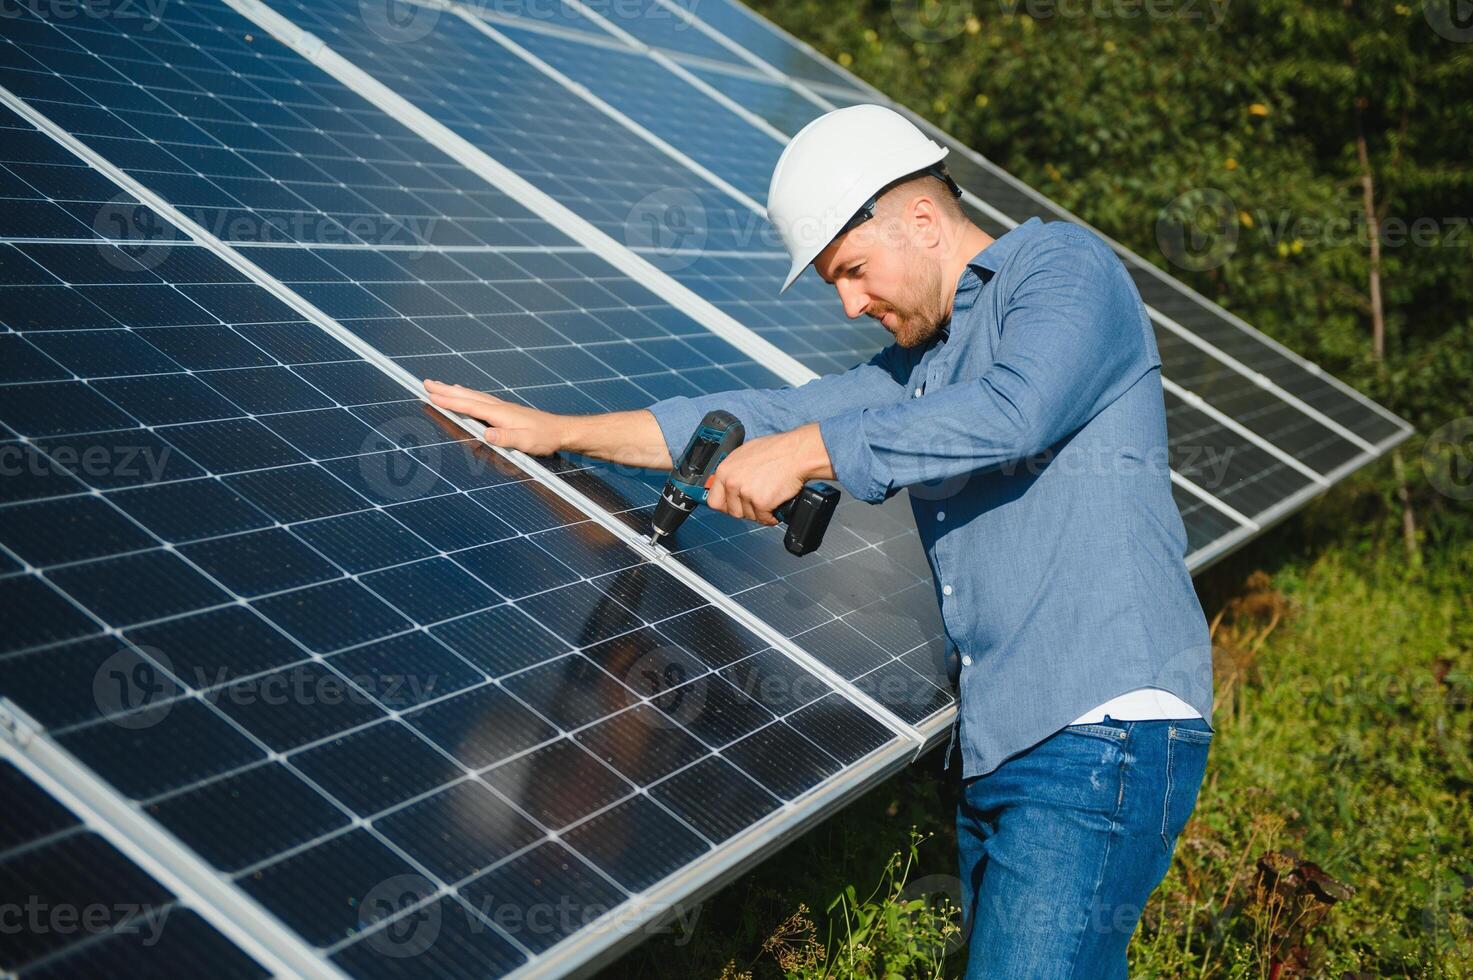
627 438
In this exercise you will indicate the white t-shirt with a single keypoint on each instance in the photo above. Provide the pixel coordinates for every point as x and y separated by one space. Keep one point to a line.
1142 704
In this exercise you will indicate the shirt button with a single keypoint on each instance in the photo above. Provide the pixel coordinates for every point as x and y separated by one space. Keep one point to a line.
918 392
946 590
966 661
941 515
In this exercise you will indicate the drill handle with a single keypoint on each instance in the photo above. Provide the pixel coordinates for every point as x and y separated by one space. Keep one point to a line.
807 516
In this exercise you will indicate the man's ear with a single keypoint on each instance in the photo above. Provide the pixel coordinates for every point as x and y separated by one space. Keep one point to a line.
925 222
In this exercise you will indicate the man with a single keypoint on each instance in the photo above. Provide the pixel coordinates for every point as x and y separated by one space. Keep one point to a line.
1022 401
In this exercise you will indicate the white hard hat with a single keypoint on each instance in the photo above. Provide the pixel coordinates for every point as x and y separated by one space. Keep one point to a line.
833 167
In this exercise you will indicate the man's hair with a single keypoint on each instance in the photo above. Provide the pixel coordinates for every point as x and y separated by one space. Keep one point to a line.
923 183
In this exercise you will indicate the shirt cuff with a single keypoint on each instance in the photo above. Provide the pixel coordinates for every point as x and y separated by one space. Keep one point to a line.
854 463
678 418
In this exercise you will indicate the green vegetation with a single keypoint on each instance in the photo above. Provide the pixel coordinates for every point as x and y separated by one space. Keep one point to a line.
1334 834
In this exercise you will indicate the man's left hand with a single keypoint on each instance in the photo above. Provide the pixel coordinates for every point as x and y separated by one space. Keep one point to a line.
766 473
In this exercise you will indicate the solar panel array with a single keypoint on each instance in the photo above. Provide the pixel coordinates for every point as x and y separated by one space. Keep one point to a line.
395 702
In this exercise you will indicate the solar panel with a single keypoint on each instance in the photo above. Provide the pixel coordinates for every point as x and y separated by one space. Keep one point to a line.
391 296
77 906
311 629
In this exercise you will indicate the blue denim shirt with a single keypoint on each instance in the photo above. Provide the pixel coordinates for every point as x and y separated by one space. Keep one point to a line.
1031 434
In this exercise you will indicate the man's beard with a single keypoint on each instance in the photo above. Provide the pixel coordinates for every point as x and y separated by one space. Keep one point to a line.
919 317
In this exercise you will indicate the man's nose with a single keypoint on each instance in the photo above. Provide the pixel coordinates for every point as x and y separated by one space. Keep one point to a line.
855 300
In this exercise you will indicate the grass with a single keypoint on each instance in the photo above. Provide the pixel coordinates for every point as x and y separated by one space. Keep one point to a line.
1344 756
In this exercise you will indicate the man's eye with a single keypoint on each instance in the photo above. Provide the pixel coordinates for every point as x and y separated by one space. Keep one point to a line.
857 271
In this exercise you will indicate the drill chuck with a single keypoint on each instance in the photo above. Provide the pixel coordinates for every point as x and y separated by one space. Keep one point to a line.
676 504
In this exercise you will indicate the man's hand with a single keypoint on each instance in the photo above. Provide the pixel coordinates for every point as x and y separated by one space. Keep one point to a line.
766 473
509 425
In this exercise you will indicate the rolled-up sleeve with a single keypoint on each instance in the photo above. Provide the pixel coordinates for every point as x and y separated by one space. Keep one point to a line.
764 411
1072 340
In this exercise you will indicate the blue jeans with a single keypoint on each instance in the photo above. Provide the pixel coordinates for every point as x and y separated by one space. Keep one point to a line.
1061 845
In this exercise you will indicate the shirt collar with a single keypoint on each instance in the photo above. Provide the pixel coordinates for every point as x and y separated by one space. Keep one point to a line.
983 266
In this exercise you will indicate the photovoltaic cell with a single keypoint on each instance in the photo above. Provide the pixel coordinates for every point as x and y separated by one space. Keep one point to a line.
750 31
414 301
1210 322
1204 522
1258 409
652 23
711 134
86 909
1235 471
806 321
780 105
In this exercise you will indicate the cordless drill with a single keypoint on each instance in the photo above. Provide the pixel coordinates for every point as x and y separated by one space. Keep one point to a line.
806 515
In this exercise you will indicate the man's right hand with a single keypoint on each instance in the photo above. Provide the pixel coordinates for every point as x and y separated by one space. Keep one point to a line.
509 425
629 438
